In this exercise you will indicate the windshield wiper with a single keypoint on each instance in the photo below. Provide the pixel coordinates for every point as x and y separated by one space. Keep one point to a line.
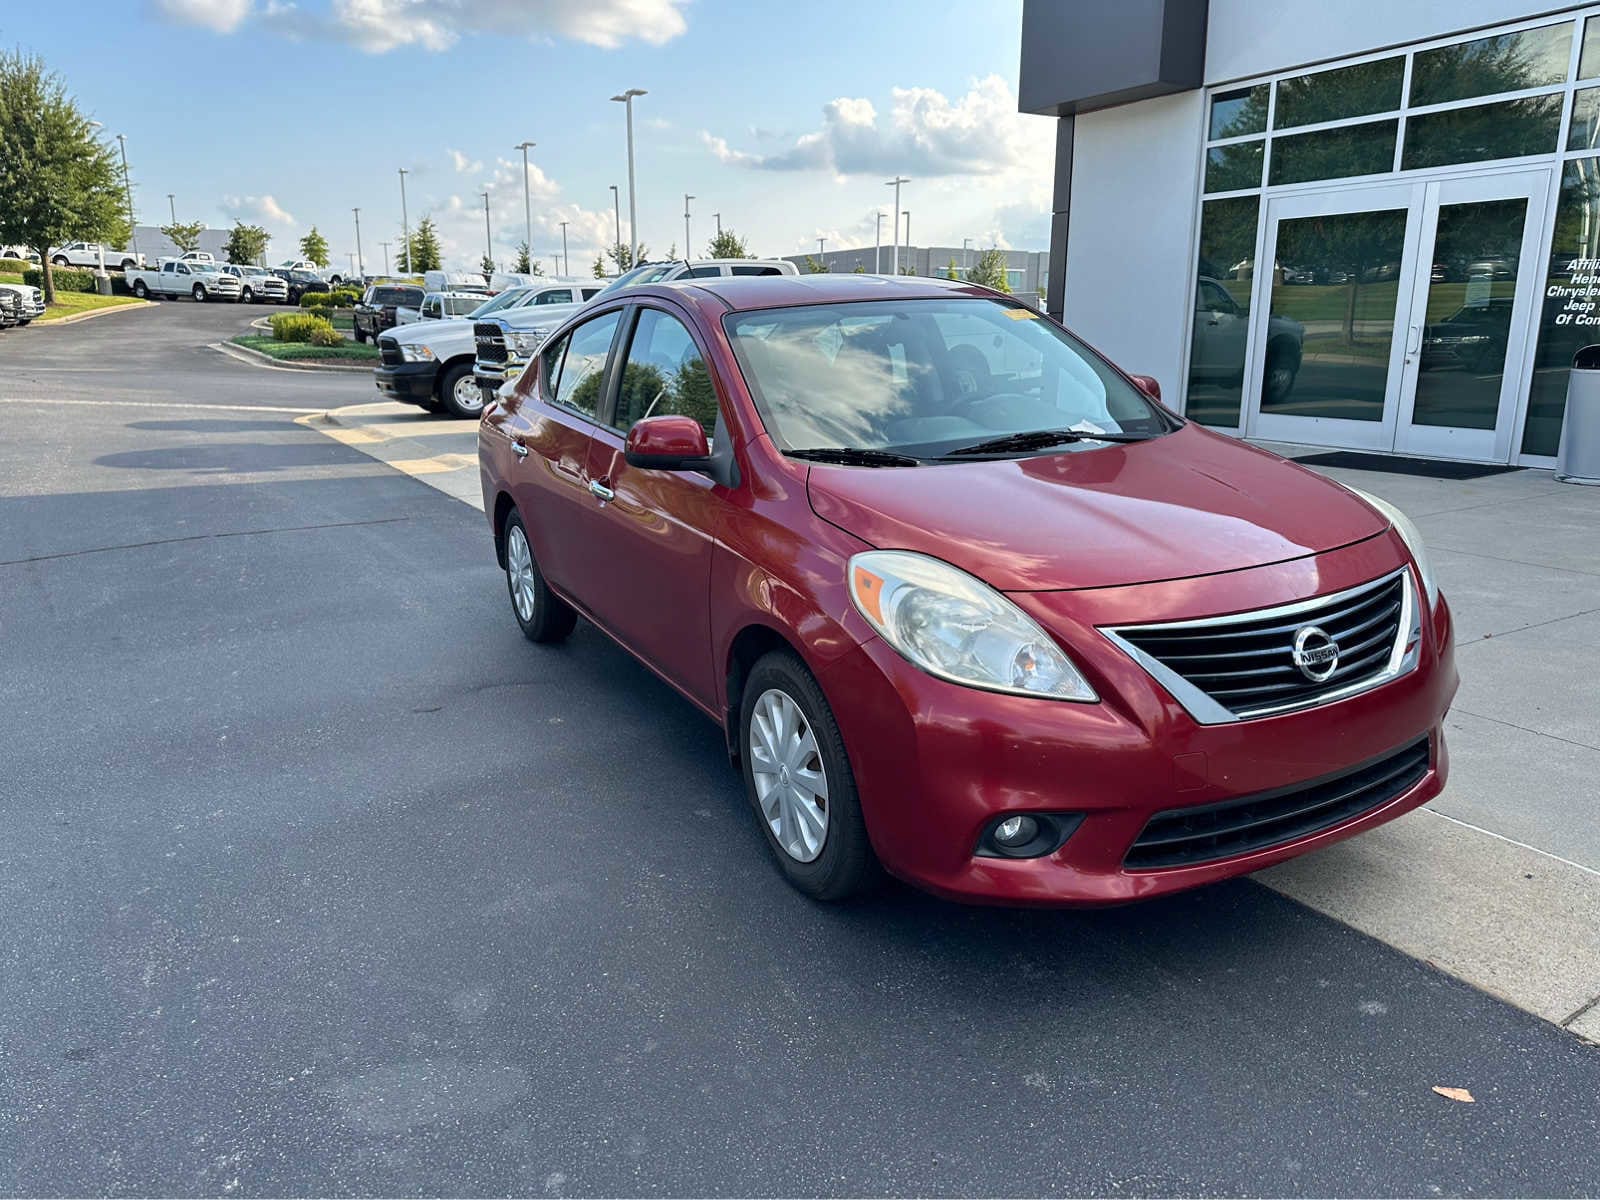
1039 439
850 457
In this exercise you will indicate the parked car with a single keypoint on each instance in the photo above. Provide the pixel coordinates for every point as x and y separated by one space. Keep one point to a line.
430 363
333 276
507 341
300 282
19 253
87 254
378 306
30 301
1221 331
979 610
257 285
1473 338
454 281
10 310
441 306
201 281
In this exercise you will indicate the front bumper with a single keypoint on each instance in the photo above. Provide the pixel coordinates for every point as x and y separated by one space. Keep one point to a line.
490 377
936 763
410 383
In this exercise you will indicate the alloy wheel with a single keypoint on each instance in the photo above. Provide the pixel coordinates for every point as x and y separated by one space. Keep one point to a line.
791 781
519 570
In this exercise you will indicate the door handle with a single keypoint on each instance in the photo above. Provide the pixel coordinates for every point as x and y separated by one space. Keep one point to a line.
519 450
1414 342
601 490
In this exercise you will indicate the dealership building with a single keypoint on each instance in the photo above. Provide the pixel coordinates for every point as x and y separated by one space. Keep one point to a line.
1367 225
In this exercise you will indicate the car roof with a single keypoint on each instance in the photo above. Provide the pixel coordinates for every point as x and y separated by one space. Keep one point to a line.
742 292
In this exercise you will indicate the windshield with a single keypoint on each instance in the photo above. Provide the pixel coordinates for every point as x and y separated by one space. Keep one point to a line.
403 297
925 378
460 306
649 273
507 299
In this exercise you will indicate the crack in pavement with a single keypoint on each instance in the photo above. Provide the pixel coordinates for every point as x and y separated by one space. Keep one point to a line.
200 537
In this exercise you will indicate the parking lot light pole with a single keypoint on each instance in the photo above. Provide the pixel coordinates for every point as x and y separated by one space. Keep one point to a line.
616 211
172 207
626 99
361 265
688 251
488 240
718 216
877 246
527 197
127 186
385 246
566 265
966 257
405 225
822 247
894 255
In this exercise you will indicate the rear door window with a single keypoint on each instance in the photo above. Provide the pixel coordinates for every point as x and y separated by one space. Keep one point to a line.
555 296
583 365
755 270
665 374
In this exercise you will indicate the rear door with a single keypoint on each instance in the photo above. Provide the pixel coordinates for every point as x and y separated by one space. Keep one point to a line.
551 428
651 563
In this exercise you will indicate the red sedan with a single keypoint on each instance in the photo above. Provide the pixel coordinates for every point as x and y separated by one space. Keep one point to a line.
969 604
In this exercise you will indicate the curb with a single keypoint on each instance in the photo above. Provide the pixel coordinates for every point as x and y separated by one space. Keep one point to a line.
257 359
95 312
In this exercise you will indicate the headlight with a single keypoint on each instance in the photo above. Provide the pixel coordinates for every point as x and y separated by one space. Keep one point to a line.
527 343
1411 536
414 352
958 628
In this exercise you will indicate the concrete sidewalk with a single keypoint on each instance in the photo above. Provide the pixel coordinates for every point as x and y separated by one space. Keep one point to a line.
1498 880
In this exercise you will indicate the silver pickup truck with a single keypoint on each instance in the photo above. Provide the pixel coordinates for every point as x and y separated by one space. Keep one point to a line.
203 281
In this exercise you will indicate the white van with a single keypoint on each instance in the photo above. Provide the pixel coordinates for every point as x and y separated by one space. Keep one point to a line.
454 281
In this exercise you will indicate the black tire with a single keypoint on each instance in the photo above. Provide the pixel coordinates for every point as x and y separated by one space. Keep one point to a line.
199 293
60 260
845 866
548 617
140 290
127 265
361 334
1282 368
448 386
247 296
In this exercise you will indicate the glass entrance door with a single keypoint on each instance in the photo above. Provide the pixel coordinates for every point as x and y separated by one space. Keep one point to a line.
1399 318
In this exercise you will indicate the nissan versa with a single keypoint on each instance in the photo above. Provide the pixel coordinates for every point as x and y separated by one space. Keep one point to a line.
969 603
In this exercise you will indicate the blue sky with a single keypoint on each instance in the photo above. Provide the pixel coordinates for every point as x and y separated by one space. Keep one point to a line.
784 115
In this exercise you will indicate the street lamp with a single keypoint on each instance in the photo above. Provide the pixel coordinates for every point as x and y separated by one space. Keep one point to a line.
385 246
488 241
626 99
361 265
877 246
822 245
566 265
616 209
172 207
405 224
687 243
966 258
527 198
894 257
127 184
718 216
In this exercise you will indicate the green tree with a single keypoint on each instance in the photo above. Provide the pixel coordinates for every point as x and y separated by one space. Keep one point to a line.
185 235
424 251
990 270
622 257
315 247
58 181
815 266
952 270
486 266
727 244
524 263
859 270
246 243
599 266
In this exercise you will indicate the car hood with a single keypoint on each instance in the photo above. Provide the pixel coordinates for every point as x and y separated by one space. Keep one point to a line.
535 316
1189 503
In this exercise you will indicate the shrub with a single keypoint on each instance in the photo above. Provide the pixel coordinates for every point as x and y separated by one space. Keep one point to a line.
67 279
316 300
346 298
14 266
299 327
326 335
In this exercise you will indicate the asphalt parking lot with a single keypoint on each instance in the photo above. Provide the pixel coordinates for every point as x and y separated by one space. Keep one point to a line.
320 879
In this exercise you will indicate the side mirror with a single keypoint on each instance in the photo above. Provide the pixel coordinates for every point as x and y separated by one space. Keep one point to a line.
1148 385
506 391
667 444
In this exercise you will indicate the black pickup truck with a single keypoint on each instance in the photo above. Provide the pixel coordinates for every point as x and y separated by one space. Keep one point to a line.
376 311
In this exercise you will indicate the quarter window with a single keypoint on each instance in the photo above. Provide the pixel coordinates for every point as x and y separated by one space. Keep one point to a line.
583 366
557 296
665 375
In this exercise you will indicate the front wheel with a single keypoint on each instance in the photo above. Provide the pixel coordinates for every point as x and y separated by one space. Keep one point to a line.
199 293
248 296
541 614
140 290
361 334
60 260
127 265
460 392
799 781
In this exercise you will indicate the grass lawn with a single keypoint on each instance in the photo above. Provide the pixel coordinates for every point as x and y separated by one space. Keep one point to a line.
351 352
71 303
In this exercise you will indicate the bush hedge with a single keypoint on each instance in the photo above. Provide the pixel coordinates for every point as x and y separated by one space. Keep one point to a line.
326 335
68 279
302 327
14 266
343 298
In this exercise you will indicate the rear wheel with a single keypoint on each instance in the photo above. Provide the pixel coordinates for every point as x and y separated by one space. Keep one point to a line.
799 781
541 614
60 260
361 334
248 296
459 392
199 292
128 264
140 290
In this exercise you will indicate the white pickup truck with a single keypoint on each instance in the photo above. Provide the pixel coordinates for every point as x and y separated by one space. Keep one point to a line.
87 254
203 281
332 276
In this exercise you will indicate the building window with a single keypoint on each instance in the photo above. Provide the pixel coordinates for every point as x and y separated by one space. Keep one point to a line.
1570 310
1509 62
1219 331
1234 167
1240 113
1358 91
1335 153
1510 129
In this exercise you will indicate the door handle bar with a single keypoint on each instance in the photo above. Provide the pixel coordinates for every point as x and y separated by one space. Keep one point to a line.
601 490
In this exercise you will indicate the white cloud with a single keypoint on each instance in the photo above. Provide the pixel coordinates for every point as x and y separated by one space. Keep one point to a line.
463 164
927 135
379 26
219 16
258 210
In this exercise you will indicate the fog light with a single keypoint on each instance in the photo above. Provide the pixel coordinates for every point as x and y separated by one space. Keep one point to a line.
1016 831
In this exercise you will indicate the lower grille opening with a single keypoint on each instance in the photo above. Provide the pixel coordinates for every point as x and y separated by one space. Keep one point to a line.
1183 837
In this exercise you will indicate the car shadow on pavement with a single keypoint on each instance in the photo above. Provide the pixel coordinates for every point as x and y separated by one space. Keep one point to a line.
232 458
214 425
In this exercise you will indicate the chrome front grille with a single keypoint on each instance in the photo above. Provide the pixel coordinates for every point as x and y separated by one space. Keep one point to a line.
1276 660
490 340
